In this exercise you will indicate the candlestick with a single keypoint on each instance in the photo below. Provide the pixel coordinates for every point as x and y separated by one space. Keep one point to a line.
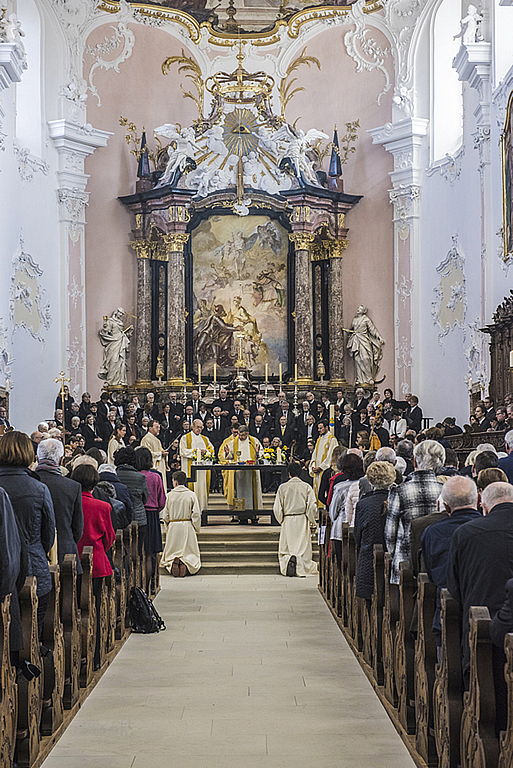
215 373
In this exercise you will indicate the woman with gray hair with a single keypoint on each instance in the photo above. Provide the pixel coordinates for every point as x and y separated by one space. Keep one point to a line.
369 525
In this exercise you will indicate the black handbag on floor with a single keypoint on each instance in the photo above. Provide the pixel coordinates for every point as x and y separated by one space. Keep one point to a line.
143 616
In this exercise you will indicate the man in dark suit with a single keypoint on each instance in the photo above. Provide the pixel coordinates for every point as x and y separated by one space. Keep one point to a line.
481 560
66 496
151 408
489 407
258 428
414 414
506 464
224 403
284 431
133 432
309 430
108 428
483 422
259 402
238 411
284 410
195 402
176 411
103 406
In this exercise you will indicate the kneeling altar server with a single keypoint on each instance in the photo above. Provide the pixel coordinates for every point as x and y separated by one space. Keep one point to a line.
182 517
295 509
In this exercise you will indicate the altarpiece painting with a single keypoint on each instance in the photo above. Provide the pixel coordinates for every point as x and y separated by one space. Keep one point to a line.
240 293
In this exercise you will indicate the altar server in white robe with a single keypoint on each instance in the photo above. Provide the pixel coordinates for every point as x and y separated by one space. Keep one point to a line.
245 448
153 444
194 445
295 509
182 518
321 457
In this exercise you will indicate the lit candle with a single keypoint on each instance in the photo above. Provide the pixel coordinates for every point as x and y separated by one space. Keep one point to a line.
295 372
199 372
184 372
266 372
332 419
470 384
215 373
280 372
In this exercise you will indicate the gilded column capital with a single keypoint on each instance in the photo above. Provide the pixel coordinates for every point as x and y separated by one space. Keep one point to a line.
141 248
175 241
302 240
326 249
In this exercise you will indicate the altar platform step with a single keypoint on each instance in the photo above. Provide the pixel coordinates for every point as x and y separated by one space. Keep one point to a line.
240 549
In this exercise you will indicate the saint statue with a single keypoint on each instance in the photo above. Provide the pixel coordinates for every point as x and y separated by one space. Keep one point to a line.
469 31
365 344
115 340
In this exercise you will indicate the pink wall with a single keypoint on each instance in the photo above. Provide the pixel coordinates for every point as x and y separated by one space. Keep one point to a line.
142 94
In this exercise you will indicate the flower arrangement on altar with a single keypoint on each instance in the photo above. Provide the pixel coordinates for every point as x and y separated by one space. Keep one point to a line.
274 455
208 457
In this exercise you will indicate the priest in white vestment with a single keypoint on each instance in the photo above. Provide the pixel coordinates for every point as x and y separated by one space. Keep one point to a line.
182 518
321 457
244 448
192 449
152 443
295 509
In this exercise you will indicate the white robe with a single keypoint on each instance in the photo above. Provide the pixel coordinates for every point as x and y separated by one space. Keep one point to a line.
182 518
321 457
295 509
154 445
188 454
247 484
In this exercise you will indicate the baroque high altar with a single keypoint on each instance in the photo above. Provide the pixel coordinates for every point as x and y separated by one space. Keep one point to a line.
239 237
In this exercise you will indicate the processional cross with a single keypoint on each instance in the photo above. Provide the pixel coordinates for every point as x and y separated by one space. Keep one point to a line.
62 378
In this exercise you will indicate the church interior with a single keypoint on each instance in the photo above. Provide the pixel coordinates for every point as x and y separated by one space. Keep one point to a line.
256 299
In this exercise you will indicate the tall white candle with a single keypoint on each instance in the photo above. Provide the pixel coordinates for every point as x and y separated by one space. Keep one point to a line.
266 372
511 359
184 372
280 372
199 372
215 373
295 371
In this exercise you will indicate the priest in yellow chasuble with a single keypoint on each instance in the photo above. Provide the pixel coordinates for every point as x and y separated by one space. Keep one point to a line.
321 457
153 444
245 448
193 447
228 479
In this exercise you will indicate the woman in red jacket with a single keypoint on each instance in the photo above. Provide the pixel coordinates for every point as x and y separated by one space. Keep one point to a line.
99 534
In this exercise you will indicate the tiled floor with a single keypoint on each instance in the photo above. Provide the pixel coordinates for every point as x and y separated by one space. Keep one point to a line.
252 672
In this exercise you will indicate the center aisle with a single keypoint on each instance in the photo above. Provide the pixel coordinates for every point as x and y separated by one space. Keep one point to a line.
252 672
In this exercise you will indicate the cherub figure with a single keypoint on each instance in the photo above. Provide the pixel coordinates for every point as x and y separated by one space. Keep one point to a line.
11 31
472 20
295 145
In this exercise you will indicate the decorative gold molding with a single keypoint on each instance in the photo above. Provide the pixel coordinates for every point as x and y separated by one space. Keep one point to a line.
302 240
227 39
153 250
325 249
176 241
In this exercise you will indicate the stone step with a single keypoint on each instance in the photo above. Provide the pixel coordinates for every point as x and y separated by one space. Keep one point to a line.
237 556
236 568
237 546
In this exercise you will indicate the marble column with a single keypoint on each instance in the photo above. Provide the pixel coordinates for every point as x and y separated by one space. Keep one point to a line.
335 315
176 318
304 307
143 336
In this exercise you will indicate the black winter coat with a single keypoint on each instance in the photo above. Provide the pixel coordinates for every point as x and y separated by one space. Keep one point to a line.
67 505
369 529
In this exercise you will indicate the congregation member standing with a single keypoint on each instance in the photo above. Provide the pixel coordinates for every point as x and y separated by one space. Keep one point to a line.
153 506
193 447
295 509
33 508
321 456
182 518
152 443
116 441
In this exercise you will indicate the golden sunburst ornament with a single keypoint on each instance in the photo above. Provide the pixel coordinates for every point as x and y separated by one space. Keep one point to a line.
240 132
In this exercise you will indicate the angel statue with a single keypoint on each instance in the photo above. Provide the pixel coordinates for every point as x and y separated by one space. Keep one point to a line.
294 144
470 26
11 31
185 146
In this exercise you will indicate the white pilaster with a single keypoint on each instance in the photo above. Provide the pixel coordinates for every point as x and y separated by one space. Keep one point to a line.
74 143
404 140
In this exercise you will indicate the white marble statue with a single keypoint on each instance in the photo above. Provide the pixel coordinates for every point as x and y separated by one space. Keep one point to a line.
295 146
185 141
115 340
11 31
469 26
365 344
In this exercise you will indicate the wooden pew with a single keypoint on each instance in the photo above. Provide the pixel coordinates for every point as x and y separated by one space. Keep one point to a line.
347 618
121 585
448 686
103 617
8 690
110 582
404 649
136 560
390 618
53 664
378 598
30 697
88 619
425 663
127 540
479 744
356 629
365 626
506 740
71 622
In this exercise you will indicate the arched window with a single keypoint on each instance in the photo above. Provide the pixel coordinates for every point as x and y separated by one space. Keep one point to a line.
29 116
446 89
